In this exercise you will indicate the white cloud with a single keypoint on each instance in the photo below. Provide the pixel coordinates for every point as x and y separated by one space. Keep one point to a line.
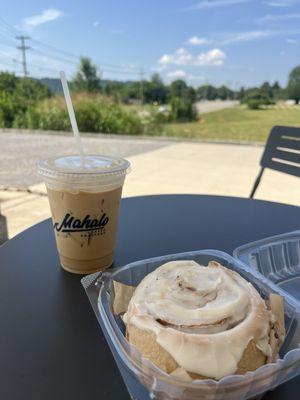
178 74
246 36
278 17
180 57
51 14
166 59
214 57
256 35
291 41
197 41
281 3
206 4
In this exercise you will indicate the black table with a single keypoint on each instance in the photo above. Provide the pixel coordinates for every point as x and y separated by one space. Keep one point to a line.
51 347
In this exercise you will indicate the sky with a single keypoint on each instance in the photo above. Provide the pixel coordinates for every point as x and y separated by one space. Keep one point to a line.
232 42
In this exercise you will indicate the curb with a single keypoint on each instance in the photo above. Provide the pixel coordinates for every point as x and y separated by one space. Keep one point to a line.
166 139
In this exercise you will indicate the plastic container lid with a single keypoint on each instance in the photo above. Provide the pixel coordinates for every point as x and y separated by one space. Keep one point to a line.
97 170
277 258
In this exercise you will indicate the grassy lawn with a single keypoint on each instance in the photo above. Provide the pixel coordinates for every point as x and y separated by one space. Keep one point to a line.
238 123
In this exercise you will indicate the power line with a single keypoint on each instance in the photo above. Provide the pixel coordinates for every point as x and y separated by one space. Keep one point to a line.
11 29
11 67
23 49
55 49
64 56
6 35
40 68
74 56
105 69
56 58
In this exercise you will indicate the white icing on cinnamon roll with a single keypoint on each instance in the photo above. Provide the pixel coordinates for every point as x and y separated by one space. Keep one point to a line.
204 317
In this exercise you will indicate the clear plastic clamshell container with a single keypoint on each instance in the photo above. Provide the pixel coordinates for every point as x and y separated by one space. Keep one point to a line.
277 258
144 381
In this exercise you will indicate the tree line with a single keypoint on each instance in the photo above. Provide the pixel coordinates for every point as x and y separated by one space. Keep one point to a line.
155 90
20 98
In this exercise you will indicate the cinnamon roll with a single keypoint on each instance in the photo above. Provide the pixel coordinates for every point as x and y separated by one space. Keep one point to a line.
208 321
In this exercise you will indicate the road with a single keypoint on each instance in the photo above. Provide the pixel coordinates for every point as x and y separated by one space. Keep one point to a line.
20 152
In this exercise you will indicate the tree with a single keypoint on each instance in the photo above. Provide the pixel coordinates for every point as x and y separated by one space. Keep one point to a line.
182 98
256 99
155 90
182 110
266 89
207 92
278 92
191 94
32 90
293 87
8 82
115 89
224 93
241 94
276 87
87 78
178 88
156 79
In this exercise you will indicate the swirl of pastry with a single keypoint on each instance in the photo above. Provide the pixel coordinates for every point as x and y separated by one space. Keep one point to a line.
208 320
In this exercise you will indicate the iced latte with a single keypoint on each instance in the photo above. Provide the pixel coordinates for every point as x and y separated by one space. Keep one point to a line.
84 201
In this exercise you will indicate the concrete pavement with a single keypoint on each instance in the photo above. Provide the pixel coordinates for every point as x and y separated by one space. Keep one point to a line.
20 151
178 167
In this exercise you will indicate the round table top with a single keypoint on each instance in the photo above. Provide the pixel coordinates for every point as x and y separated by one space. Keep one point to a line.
51 345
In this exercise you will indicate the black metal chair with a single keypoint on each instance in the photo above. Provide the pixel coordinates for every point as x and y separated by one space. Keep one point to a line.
282 153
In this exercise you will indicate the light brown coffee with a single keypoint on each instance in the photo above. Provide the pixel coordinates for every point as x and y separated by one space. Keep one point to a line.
85 226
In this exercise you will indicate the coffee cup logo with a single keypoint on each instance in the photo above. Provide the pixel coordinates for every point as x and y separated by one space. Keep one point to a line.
87 224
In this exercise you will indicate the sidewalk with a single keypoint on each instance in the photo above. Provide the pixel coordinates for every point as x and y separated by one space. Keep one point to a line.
197 168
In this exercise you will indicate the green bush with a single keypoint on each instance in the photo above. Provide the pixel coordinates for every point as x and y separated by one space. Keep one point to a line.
17 95
26 103
8 109
52 118
254 104
93 115
256 99
152 124
182 109
106 117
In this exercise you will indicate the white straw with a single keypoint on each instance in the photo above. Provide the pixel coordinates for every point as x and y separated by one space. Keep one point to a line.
72 115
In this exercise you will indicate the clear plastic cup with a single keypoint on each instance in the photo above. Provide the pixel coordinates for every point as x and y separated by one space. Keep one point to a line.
145 381
84 201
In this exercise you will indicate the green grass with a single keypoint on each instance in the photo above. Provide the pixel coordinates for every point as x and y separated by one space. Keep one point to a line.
236 124
138 107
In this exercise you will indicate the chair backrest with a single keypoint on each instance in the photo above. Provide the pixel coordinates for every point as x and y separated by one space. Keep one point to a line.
282 151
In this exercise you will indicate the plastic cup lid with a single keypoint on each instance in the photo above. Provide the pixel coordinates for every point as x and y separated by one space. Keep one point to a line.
70 167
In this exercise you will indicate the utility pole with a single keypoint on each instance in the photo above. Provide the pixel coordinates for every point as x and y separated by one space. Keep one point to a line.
23 49
142 86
